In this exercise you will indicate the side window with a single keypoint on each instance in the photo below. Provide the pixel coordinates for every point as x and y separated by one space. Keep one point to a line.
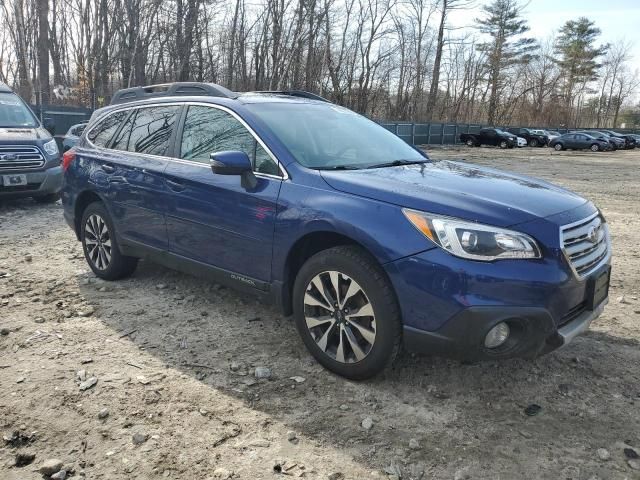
150 131
104 130
121 140
208 130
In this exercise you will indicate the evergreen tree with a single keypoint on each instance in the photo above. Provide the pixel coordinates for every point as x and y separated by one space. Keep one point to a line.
577 55
507 47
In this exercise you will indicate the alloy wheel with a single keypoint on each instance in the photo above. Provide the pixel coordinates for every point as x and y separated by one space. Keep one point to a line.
557 147
340 317
97 240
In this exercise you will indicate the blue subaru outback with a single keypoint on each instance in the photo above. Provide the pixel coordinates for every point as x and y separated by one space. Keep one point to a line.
365 240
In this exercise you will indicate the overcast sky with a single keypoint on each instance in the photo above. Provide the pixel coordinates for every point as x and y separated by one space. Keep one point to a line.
616 18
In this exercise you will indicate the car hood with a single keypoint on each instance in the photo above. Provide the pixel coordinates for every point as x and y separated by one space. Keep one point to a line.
19 135
459 190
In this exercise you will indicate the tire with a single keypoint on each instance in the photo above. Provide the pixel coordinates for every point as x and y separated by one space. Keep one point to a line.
557 147
50 198
100 246
503 144
595 147
470 143
533 142
375 342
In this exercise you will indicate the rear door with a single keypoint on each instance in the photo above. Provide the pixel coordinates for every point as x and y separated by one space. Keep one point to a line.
571 141
212 219
140 153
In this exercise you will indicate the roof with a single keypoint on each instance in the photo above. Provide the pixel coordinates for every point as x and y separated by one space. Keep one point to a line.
169 91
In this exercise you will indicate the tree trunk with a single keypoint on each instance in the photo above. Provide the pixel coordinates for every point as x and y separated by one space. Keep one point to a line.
435 78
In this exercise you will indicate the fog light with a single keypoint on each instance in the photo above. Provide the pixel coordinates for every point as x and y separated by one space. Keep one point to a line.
497 335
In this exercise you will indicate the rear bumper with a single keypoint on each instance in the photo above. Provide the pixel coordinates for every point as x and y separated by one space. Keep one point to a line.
533 330
44 182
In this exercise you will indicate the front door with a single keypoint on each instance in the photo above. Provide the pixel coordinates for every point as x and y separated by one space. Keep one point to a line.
213 219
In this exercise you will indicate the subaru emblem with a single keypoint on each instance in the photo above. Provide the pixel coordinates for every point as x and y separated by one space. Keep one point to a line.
592 236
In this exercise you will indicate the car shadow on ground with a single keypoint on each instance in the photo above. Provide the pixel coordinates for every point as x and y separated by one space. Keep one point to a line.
451 409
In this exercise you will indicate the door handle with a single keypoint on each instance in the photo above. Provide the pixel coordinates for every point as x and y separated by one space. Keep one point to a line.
108 168
175 186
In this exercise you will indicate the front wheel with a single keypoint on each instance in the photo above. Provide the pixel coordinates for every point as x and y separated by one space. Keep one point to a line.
346 311
595 147
503 144
557 147
470 143
100 246
533 142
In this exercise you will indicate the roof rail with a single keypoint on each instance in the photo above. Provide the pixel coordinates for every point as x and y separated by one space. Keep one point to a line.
293 93
195 89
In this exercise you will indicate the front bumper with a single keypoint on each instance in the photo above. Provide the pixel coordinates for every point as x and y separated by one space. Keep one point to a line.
449 304
40 183
463 336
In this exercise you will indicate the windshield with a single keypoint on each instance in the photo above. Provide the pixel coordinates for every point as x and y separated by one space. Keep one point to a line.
325 136
14 113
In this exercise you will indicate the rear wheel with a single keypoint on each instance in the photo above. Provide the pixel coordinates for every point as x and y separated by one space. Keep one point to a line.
533 142
346 312
557 147
595 147
100 246
470 143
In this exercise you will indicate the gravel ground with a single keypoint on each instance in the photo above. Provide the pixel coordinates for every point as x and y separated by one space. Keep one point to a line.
155 376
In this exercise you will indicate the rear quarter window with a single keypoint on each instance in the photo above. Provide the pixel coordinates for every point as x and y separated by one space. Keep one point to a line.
101 134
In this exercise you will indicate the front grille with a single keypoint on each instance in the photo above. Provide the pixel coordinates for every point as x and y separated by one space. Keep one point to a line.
585 244
20 157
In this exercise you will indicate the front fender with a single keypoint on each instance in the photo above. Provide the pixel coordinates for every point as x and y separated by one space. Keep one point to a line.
379 227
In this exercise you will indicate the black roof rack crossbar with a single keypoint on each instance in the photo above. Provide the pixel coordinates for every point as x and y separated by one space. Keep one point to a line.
194 89
294 93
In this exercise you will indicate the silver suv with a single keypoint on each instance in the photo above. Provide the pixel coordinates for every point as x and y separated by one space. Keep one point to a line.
29 156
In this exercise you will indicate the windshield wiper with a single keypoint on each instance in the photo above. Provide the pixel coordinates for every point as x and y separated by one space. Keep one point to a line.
338 167
398 163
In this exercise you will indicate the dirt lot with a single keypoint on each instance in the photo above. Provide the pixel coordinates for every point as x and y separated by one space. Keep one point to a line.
176 395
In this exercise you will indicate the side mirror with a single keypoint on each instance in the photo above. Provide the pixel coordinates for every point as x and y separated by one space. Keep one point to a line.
234 163
50 125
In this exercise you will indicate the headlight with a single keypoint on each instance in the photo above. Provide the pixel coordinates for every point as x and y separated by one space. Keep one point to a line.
473 240
51 147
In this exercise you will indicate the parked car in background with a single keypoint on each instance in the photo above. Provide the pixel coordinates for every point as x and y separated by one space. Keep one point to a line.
29 156
522 142
547 133
363 238
579 141
490 136
72 136
614 142
629 141
533 139
636 138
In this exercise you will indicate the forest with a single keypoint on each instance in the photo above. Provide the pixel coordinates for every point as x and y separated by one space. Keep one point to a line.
387 59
